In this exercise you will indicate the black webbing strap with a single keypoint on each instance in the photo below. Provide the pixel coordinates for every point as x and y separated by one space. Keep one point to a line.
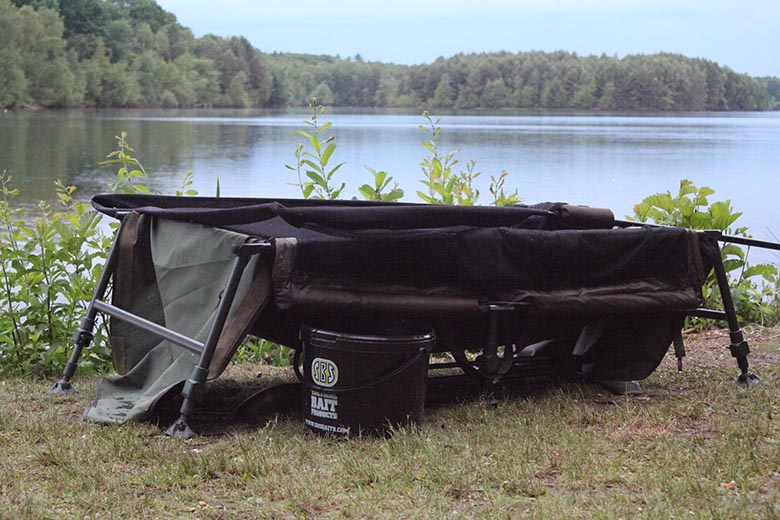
123 276
122 294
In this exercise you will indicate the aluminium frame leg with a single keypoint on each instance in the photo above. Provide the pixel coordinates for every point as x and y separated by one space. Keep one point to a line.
194 385
85 332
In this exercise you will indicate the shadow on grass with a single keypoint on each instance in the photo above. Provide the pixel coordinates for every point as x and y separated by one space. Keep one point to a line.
241 401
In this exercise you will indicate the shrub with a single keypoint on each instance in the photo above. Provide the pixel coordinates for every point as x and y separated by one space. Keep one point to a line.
50 262
753 287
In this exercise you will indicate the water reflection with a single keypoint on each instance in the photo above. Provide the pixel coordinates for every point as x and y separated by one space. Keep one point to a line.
601 160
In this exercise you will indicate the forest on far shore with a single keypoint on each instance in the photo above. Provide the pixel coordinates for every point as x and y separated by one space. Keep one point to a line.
133 53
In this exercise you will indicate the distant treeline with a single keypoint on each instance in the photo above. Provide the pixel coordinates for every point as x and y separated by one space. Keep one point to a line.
132 53
530 80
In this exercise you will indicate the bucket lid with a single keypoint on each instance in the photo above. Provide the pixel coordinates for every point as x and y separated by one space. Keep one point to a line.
373 335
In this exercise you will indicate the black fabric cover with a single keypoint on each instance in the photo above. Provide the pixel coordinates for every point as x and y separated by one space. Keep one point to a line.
562 268
258 216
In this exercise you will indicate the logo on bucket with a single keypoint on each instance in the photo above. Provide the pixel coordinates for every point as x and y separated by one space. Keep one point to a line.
324 405
324 372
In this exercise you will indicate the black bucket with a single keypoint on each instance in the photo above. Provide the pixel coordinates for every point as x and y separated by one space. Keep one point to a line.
356 383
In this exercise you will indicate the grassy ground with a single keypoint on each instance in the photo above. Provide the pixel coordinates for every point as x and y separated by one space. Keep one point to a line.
694 446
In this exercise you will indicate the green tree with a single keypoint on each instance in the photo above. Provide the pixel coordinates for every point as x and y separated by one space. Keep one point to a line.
387 92
585 95
323 94
179 40
716 90
120 39
607 98
553 94
120 87
280 90
158 79
37 4
139 11
525 97
252 63
237 91
13 84
91 73
444 95
41 50
773 90
218 50
54 54
82 17
202 76
495 94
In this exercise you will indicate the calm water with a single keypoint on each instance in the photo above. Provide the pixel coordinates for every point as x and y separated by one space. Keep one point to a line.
610 161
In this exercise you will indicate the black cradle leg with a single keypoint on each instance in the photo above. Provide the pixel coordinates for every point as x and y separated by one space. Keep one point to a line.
739 346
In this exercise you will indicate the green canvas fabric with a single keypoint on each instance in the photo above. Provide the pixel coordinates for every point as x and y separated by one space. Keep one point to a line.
191 265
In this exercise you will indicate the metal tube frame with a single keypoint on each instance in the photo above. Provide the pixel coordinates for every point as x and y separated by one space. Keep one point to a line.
194 385
85 332
739 346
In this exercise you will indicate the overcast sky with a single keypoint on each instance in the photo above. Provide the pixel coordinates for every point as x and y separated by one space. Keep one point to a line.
741 34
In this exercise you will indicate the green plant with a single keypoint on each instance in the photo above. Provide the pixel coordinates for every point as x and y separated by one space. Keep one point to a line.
259 350
314 162
186 180
500 198
51 261
377 191
130 168
49 268
444 185
755 301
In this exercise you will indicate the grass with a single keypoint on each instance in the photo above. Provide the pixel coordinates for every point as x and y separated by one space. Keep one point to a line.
693 446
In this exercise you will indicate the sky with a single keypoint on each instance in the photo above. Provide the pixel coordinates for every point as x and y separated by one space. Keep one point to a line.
741 34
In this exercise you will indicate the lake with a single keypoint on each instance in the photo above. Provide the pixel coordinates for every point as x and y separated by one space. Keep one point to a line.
598 160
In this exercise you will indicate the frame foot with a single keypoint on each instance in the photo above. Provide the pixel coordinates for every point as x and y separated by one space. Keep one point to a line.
63 387
748 379
622 387
180 430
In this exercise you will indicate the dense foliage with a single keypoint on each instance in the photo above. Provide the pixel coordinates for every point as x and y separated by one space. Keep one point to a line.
530 80
773 89
124 53
50 261
120 53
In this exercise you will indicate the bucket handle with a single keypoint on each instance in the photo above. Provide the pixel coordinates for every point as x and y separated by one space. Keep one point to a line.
297 358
